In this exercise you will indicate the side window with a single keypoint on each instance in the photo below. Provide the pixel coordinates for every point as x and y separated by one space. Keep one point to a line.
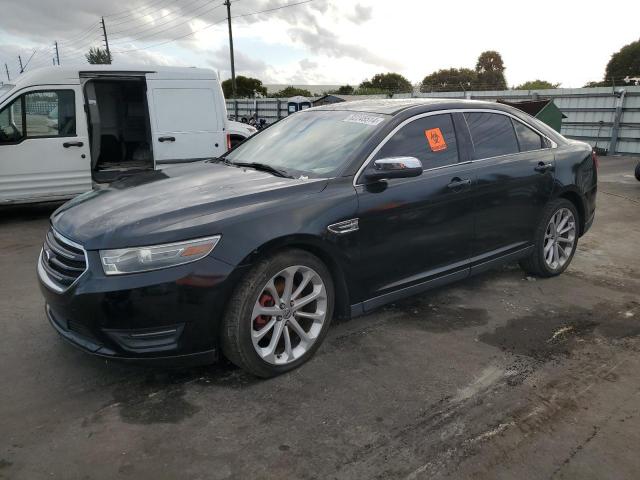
430 139
527 138
50 113
492 134
11 128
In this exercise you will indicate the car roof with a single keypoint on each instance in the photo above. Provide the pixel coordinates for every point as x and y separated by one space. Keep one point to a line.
396 106
413 106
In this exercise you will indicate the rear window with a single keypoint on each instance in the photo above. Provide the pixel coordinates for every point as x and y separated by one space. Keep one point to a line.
492 134
527 138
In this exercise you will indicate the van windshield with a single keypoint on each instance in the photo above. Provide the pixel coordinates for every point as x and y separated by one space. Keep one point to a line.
5 89
315 142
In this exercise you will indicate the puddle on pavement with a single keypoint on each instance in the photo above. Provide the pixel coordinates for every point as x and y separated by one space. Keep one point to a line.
440 314
160 396
546 334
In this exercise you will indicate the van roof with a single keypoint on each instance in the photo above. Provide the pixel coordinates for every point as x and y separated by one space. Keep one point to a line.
69 75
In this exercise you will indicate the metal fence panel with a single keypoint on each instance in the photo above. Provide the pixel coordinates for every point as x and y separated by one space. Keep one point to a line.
591 112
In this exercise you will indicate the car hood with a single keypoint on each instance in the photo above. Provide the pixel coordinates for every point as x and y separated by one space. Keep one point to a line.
179 203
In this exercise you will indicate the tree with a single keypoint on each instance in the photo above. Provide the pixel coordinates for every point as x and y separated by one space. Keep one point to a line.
536 85
345 90
246 87
388 83
98 56
449 79
292 91
624 63
490 70
595 84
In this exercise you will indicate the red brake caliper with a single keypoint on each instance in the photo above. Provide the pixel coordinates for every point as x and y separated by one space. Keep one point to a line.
266 300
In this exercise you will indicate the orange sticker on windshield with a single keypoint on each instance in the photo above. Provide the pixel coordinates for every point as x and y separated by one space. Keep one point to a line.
436 139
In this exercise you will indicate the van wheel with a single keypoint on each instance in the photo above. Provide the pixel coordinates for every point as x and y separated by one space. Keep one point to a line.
279 315
556 239
638 172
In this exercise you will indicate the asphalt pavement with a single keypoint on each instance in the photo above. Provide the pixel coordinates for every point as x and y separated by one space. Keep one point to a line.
500 376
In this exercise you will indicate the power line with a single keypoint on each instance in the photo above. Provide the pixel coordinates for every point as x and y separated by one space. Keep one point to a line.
129 13
269 10
178 9
83 32
173 39
172 27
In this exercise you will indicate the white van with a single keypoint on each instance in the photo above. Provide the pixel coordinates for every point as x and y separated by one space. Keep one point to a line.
64 130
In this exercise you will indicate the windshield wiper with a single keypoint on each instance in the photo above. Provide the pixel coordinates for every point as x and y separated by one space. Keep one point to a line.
264 168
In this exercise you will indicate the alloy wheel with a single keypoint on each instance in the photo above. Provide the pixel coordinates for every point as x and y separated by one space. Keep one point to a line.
559 239
288 315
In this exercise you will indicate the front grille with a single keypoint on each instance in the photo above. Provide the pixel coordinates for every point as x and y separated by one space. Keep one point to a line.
62 260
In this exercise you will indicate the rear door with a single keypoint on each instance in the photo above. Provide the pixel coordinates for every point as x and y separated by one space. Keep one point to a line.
187 119
44 149
514 169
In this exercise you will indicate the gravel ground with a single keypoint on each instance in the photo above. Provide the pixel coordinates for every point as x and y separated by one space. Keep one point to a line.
500 376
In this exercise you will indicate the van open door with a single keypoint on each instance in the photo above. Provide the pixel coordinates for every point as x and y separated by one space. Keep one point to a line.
187 117
94 128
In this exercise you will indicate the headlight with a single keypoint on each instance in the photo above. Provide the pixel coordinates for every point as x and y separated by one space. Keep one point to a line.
143 259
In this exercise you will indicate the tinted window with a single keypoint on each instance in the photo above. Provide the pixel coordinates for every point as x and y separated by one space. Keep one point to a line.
314 142
527 138
50 113
492 134
430 139
11 128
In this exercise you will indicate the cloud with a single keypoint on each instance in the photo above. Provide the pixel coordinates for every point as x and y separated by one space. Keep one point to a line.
323 41
245 65
361 14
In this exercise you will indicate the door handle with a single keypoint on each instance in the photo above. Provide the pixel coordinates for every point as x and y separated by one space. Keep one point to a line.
72 144
167 139
457 183
544 167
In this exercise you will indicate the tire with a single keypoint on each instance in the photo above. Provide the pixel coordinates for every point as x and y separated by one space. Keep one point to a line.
638 172
537 263
259 291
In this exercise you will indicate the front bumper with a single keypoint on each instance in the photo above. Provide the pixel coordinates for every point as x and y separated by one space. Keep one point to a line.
166 317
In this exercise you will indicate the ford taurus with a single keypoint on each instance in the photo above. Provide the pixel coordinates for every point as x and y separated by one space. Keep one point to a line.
333 211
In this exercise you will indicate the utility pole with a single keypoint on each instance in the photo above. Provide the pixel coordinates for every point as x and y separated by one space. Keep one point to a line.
57 53
21 67
233 66
106 40
7 70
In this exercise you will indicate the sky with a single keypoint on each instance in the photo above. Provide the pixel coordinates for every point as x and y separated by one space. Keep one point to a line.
326 42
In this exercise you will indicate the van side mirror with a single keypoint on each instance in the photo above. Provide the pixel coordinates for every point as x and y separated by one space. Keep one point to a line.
394 167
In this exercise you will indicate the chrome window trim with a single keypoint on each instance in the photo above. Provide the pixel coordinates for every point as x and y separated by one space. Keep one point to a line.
450 111
43 274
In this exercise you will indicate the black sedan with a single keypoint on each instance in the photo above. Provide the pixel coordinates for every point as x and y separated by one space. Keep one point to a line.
333 211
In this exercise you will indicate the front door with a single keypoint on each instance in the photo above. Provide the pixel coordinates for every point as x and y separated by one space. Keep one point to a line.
44 149
415 231
514 170
186 119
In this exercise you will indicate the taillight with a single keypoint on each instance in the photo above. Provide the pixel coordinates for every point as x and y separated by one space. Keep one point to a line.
594 157
228 141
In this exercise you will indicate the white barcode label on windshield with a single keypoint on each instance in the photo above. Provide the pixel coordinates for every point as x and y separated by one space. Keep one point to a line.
363 118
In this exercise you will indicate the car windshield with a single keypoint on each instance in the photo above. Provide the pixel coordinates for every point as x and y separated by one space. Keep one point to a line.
315 143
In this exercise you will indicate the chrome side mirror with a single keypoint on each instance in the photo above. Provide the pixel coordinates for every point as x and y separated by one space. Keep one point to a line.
394 167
